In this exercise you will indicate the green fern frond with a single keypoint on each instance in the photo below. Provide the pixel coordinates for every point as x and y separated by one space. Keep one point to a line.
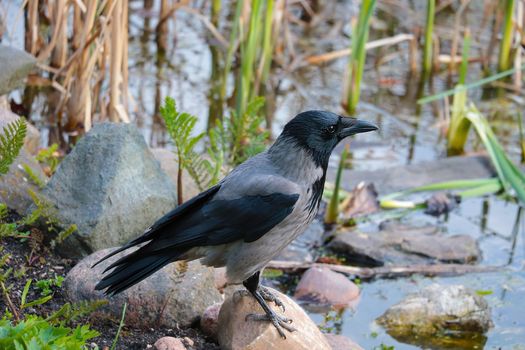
11 141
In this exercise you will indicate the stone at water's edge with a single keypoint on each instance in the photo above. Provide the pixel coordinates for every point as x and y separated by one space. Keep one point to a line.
400 178
111 187
235 333
340 342
434 310
16 65
400 244
324 286
176 295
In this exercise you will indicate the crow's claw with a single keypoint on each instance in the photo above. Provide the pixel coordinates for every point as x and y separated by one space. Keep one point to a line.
278 321
269 296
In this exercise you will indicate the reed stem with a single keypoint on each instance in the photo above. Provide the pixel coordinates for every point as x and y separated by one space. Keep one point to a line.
427 52
504 61
356 63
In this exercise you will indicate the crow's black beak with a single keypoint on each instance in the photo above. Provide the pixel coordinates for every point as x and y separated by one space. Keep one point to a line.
352 126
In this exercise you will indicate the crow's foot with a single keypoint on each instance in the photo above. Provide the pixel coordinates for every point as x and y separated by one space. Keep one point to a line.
266 295
278 321
269 296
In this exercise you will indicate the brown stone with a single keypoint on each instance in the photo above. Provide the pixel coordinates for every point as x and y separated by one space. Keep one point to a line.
324 286
169 343
210 320
237 333
340 342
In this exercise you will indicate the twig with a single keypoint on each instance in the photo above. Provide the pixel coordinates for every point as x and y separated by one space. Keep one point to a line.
396 39
8 301
387 271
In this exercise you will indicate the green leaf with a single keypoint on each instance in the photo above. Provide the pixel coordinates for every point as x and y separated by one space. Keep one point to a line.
24 293
11 141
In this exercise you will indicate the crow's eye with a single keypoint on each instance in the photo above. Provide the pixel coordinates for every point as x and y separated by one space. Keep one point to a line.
331 129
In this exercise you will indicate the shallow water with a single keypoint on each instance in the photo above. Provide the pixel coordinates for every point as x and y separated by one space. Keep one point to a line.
409 133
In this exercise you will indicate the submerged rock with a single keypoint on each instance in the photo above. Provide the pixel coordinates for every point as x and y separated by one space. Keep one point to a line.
235 332
176 295
438 310
324 286
400 244
16 65
111 187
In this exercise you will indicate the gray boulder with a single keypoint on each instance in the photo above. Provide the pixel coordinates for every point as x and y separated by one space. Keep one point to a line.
439 309
16 65
111 187
400 244
176 295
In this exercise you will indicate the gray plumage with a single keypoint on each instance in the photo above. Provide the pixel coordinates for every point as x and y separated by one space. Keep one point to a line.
249 217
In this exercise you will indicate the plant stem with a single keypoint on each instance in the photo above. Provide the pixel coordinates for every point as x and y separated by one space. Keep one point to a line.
332 212
427 53
121 324
356 63
464 58
504 53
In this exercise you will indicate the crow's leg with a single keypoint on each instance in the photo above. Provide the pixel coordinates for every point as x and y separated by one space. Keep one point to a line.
280 322
266 295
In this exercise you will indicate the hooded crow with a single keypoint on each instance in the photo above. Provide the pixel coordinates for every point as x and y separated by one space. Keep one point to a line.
248 217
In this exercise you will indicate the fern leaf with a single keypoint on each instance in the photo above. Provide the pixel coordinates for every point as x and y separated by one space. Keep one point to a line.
11 141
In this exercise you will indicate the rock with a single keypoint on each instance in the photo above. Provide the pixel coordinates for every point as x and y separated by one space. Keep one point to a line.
302 248
220 278
210 320
176 295
362 201
32 140
237 333
405 245
457 248
340 342
169 343
324 286
16 184
111 187
168 163
16 65
400 178
437 309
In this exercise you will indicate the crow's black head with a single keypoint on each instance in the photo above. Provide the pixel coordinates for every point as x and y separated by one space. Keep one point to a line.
320 131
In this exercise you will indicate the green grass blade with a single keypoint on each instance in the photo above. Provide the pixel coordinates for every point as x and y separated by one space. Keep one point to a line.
475 84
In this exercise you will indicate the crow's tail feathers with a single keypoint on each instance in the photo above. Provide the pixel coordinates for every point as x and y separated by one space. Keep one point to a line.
133 268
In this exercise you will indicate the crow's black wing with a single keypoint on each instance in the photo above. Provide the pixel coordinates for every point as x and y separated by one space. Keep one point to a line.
170 217
206 222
